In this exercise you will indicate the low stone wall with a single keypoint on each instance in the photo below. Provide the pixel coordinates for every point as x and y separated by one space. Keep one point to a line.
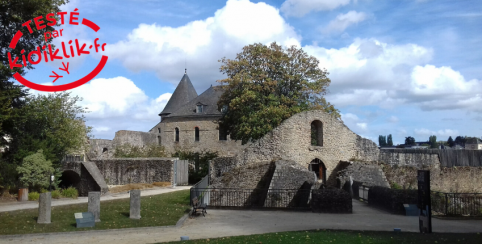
221 165
369 173
406 157
251 176
331 201
136 170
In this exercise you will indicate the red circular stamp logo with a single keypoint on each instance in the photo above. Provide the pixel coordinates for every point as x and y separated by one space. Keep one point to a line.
45 53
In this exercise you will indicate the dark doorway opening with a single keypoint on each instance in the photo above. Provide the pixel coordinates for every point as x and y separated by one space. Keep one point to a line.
69 178
317 166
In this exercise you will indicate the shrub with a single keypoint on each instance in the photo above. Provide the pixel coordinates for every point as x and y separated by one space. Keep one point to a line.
35 171
56 194
43 190
396 186
391 200
70 192
33 196
331 201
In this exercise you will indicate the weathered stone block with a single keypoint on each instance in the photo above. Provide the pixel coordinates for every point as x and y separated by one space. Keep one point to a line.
94 204
135 206
44 208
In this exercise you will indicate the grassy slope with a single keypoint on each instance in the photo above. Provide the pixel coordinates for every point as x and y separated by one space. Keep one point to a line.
159 210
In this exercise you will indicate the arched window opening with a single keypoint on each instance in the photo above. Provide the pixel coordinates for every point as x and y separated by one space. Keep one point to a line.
159 130
316 133
319 168
196 134
177 134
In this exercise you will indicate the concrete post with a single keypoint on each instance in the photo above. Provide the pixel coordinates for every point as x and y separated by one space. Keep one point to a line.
44 208
94 204
135 206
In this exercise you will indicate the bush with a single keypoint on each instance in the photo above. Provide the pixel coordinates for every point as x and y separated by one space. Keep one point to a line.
396 186
391 200
43 190
35 171
331 201
201 161
33 196
70 192
56 194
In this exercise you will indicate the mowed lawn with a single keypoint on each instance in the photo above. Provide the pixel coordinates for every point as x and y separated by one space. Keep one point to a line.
160 210
346 237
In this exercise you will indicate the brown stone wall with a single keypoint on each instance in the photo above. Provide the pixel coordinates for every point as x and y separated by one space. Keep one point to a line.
208 136
136 170
292 141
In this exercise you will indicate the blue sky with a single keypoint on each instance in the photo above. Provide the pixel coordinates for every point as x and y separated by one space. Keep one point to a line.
406 68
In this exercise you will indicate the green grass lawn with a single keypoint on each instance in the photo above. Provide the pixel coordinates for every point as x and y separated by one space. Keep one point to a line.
348 237
159 210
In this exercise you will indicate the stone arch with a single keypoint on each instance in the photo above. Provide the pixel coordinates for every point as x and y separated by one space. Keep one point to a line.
196 133
317 166
176 135
69 178
105 150
316 133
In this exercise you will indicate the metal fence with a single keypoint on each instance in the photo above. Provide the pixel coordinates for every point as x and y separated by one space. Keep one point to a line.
451 204
254 198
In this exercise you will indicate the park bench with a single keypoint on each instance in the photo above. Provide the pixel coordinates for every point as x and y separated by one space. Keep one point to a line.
198 205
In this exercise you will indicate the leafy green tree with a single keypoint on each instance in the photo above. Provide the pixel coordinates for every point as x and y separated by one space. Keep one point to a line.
410 141
35 171
382 141
53 123
451 142
12 96
390 140
460 140
433 141
268 84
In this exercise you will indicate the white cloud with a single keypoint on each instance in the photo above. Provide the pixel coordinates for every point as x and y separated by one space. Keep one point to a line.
393 119
164 49
343 21
299 8
362 126
443 133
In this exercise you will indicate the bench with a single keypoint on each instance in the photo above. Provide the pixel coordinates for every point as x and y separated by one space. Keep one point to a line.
198 205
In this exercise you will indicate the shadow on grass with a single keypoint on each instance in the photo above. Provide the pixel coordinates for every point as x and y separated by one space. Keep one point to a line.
126 214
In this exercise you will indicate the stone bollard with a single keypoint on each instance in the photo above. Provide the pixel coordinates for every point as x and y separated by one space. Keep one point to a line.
135 204
44 208
94 204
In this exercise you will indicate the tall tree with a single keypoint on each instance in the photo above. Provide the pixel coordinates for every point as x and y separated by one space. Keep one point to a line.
460 140
382 141
433 141
268 84
451 142
390 140
410 141
53 123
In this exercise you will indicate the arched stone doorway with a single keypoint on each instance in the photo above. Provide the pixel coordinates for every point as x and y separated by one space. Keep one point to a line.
69 178
317 166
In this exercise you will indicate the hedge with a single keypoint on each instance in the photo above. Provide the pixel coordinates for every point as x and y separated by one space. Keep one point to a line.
331 201
391 200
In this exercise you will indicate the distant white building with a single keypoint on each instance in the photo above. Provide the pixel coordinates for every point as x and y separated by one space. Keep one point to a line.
473 144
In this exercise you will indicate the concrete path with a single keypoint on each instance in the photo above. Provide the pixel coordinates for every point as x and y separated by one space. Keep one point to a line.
12 206
221 223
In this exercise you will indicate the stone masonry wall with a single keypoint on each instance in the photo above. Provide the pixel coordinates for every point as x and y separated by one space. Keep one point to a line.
136 170
208 136
220 165
105 149
292 141
368 173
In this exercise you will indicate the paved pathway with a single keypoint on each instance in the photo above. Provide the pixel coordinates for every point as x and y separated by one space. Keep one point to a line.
221 223
12 206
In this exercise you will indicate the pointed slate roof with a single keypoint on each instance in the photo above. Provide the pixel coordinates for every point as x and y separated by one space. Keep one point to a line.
184 93
209 99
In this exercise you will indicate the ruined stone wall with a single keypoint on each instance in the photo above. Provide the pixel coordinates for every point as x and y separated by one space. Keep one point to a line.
369 173
292 141
220 165
136 170
97 151
134 138
290 175
407 158
250 176
208 136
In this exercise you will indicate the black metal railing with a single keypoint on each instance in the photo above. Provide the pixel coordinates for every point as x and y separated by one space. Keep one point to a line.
452 204
253 198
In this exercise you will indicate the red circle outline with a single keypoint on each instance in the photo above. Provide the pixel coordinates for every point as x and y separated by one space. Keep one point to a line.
65 87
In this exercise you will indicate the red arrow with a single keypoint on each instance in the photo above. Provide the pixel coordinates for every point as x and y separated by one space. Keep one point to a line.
66 69
56 76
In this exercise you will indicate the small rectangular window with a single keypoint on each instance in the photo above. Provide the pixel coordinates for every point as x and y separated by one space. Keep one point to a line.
196 134
199 108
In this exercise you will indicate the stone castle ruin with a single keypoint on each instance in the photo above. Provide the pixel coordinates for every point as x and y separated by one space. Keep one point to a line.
334 156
